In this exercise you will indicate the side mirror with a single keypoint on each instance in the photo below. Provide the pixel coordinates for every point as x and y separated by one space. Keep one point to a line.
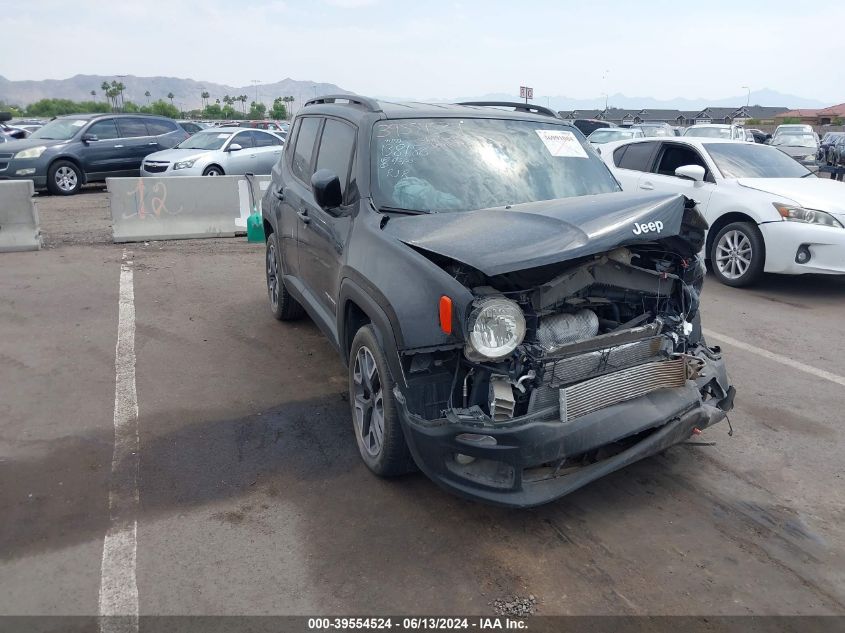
89 138
326 187
691 172
234 147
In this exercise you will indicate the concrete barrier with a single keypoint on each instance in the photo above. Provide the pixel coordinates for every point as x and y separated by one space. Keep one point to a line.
144 209
19 226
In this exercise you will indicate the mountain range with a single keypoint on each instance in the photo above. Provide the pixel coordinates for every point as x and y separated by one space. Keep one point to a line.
187 94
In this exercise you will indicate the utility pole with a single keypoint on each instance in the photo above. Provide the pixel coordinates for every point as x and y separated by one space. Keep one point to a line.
748 97
255 82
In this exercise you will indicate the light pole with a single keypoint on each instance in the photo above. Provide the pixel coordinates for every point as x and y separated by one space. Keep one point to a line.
748 97
255 82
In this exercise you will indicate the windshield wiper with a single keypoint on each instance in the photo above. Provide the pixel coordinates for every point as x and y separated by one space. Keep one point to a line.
384 209
808 174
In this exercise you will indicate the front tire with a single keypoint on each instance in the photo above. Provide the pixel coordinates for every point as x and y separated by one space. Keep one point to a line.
283 306
64 178
737 254
375 417
213 170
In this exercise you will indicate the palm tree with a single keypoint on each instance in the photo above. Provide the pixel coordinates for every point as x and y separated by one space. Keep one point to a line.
147 95
243 99
94 94
204 96
170 96
105 88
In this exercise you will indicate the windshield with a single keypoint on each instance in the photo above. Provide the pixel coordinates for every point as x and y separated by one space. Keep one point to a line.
205 140
466 164
656 130
59 129
795 140
744 160
607 135
709 132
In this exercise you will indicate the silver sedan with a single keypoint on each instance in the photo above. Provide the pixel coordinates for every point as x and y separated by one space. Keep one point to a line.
218 152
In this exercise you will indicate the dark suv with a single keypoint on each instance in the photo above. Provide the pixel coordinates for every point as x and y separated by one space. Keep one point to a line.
72 150
513 323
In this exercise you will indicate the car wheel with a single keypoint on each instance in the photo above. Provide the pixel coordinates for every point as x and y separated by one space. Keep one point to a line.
375 418
737 254
213 170
283 306
64 178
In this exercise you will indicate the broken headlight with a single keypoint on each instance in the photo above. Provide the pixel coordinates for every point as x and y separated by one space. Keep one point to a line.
496 327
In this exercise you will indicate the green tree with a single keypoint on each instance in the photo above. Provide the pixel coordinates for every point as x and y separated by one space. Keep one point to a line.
204 96
171 96
212 111
228 111
257 110
147 95
279 110
790 120
164 109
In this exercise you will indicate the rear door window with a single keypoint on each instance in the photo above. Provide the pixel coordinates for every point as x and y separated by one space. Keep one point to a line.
262 139
157 127
636 156
304 150
131 127
244 139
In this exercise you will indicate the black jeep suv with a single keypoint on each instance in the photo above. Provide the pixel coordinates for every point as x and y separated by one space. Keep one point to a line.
513 323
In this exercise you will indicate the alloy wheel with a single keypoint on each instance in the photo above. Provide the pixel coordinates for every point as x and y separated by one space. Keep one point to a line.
66 179
733 254
368 401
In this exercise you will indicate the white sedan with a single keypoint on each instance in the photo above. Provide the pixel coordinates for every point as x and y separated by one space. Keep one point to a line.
220 151
767 213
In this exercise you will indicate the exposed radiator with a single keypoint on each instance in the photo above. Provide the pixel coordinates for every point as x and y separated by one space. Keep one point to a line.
598 393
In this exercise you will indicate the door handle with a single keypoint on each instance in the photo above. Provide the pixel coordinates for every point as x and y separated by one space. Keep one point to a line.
302 214
118 146
280 194
153 143
647 186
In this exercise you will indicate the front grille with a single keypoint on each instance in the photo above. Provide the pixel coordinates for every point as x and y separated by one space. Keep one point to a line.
598 393
156 168
4 166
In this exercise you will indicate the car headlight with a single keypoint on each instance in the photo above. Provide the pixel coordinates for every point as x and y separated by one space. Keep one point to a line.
185 164
496 327
808 216
32 152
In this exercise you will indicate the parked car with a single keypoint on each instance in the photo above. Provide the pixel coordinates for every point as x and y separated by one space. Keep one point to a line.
81 148
192 127
760 136
588 126
718 130
767 213
607 134
218 152
274 126
825 153
838 152
469 299
654 129
793 128
802 146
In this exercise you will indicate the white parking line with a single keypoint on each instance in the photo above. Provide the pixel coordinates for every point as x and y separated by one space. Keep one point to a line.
118 584
783 360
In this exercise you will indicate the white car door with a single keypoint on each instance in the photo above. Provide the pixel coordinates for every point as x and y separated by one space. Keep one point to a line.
662 178
240 161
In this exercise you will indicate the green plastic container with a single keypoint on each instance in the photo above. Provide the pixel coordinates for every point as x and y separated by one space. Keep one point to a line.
254 228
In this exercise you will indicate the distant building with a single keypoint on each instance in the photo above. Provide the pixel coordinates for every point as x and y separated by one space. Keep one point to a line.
819 116
619 116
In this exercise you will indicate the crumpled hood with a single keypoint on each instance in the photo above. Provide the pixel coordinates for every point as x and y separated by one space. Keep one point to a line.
822 194
505 239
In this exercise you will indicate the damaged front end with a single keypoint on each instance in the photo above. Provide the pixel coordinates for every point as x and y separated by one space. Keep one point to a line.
568 371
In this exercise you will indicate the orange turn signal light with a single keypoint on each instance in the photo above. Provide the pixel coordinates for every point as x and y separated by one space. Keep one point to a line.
446 314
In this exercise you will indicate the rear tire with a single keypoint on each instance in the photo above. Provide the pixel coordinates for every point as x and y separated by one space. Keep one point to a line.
283 306
64 178
375 417
213 170
737 254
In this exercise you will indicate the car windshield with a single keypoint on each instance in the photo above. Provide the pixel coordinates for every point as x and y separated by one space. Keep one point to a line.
656 130
205 140
606 135
466 164
795 140
744 160
59 129
709 132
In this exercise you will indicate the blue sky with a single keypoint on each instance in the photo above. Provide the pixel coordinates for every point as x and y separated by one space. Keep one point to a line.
440 48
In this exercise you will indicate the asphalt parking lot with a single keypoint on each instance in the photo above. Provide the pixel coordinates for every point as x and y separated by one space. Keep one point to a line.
251 498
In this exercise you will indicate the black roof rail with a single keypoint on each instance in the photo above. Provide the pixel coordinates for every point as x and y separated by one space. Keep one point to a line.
370 104
529 108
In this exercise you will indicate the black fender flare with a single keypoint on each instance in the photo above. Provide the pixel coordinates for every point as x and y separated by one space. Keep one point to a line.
351 292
